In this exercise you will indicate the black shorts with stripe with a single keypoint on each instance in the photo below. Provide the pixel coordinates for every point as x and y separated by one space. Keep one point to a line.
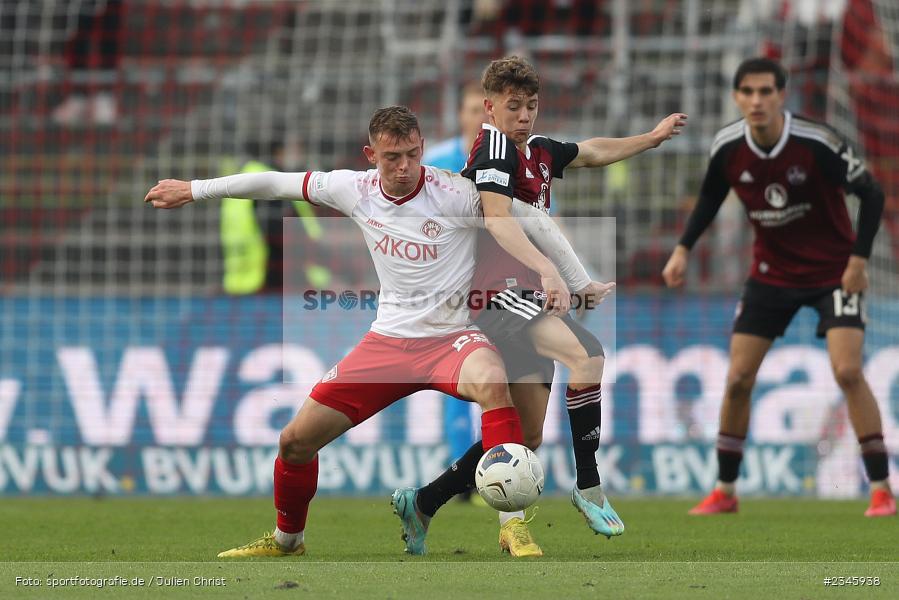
766 310
506 319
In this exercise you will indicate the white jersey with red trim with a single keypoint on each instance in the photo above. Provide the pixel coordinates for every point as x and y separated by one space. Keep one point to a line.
422 245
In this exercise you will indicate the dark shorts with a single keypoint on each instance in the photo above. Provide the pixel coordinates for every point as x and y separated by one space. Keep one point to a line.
766 310
506 320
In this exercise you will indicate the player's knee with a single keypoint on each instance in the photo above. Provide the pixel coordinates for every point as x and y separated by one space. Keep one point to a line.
739 384
577 359
495 394
491 388
294 448
848 376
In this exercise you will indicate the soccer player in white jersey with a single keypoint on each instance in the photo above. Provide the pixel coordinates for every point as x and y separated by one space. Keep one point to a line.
418 224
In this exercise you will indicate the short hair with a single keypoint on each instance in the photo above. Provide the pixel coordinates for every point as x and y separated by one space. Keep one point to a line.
471 88
761 65
510 73
395 122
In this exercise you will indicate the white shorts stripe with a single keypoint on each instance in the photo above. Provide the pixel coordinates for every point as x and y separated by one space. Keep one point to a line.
513 309
510 297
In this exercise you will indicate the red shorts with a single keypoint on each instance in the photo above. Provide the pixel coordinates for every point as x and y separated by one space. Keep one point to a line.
380 370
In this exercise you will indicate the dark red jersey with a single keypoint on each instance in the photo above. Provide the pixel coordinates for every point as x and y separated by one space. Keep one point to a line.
495 164
793 194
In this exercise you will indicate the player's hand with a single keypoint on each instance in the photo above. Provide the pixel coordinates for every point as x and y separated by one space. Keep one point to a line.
668 127
674 270
558 299
169 193
855 277
593 295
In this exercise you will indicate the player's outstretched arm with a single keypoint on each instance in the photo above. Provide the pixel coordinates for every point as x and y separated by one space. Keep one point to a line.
169 193
508 233
270 185
543 231
599 151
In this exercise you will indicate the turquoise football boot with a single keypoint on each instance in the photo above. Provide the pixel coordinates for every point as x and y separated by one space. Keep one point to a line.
415 524
597 510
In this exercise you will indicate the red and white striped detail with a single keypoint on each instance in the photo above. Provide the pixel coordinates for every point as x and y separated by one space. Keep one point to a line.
730 443
579 398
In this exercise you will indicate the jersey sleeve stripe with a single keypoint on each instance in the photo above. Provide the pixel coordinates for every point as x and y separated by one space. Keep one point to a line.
813 134
822 129
497 145
728 134
306 188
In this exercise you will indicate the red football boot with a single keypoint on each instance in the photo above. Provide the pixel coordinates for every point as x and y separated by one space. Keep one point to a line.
714 503
882 504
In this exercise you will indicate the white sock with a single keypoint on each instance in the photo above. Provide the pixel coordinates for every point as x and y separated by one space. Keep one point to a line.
883 484
288 541
505 516
728 488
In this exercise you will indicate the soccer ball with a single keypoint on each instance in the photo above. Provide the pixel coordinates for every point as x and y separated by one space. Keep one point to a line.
509 477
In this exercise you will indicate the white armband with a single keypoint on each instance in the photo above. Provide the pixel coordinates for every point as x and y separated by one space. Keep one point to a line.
547 236
269 185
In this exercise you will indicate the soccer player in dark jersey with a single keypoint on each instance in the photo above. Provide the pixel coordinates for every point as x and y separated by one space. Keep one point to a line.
507 162
791 174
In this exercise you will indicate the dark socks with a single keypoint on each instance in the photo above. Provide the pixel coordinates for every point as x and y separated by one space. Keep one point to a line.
874 455
585 417
458 478
730 455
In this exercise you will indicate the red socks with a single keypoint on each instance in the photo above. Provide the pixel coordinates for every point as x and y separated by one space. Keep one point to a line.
295 485
499 426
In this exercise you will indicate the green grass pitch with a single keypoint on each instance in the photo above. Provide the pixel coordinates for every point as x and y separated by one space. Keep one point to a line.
771 549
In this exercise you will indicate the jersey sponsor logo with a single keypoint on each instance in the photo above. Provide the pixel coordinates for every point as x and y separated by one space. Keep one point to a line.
539 295
431 228
544 170
330 374
528 174
374 223
780 217
746 177
542 202
491 176
404 250
776 195
796 175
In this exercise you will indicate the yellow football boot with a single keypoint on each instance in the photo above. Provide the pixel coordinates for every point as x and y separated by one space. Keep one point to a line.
515 539
264 546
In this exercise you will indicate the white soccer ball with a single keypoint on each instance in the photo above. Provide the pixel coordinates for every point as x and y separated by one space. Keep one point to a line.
509 477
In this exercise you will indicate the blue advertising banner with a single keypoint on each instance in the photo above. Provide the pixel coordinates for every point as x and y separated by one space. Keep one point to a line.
187 396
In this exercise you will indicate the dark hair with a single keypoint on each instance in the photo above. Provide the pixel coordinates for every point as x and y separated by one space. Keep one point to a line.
510 73
395 122
761 65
